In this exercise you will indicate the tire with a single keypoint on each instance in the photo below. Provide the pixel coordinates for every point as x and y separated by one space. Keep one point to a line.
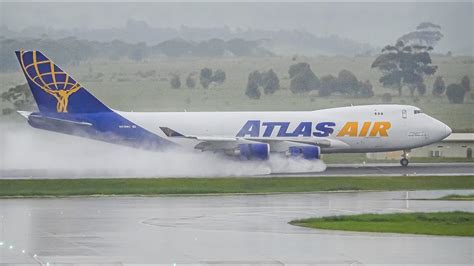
404 162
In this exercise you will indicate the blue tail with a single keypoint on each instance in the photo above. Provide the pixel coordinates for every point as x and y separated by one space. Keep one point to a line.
66 107
53 89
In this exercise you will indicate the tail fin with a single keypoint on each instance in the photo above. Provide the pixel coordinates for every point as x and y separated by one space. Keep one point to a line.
53 89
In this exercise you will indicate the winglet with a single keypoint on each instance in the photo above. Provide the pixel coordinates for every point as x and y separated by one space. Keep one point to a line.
171 133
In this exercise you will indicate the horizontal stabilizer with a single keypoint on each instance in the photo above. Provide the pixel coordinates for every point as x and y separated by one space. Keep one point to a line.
46 120
25 114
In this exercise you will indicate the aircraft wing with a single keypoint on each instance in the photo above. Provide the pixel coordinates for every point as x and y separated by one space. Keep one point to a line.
215 143
207 143
283 144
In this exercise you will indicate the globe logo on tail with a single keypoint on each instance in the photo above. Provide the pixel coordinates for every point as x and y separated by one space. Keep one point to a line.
50 78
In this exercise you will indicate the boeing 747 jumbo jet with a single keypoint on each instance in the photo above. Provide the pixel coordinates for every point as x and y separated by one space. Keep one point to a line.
65 106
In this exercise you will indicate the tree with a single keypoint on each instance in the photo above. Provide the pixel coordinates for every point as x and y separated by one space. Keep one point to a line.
420 88
175 81
455 93
438 86
270 82
364 90
426 33
386 97
175 47
328 85
347 82
206 77
190 81
241 47
219 76
212 47
466 83
302 78
404 66
253 83
138 52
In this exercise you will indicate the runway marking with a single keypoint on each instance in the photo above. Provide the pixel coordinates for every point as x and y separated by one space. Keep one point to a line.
342 210
37 259
241 262
401 210
68 241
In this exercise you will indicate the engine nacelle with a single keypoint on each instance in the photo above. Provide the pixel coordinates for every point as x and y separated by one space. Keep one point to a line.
259 151
307 152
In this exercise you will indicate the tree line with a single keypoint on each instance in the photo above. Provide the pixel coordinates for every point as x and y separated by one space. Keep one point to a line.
304 80
207 77
73 51
454 91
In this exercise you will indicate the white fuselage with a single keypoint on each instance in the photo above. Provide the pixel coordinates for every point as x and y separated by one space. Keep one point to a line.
397 127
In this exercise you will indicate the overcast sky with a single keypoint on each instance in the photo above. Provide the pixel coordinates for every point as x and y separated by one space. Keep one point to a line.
374 23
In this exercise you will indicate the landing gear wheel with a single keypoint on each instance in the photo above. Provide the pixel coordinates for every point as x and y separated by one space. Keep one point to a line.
404 162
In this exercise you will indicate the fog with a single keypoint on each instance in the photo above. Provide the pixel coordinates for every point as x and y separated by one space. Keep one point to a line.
38 153
374 23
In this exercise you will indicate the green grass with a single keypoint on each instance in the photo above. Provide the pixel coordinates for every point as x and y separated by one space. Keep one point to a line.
457 197
167 186
438 223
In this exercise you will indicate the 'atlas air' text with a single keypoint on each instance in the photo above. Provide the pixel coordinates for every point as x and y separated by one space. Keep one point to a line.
257 128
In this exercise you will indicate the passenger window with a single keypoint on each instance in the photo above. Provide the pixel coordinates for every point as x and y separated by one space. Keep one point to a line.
404 114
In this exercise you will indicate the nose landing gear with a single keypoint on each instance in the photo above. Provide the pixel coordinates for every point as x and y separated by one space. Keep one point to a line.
404 161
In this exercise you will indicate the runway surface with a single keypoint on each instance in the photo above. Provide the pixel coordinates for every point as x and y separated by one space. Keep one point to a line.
382 169
250 229
392 169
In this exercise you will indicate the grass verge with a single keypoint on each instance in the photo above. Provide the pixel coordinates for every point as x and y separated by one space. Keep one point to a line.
457 197
438 223
166 186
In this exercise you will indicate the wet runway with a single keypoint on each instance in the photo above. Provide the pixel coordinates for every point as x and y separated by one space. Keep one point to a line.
382 169
245 229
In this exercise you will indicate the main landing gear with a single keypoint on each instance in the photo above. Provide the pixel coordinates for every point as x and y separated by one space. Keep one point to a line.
404 161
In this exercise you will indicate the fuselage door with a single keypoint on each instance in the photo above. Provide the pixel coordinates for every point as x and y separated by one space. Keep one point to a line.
404 114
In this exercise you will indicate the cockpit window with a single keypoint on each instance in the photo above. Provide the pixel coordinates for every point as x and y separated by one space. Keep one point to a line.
418 112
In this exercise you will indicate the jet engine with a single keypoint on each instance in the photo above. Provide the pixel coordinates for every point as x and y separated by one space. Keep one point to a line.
259 151
307 152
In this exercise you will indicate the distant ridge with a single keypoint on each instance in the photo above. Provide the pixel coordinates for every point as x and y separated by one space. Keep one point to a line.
135 31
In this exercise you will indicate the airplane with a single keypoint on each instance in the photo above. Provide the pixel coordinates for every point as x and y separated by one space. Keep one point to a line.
64 106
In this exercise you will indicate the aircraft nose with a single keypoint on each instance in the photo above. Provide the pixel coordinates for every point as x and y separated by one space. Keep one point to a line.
448 130
443 129
439 130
